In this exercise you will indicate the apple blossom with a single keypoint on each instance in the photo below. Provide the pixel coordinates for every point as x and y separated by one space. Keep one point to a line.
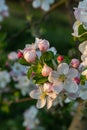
44 94
63 78
81 13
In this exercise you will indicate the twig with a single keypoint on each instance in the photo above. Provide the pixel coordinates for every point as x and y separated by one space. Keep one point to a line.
17 101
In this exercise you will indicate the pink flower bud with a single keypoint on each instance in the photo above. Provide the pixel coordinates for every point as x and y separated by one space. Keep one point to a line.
43 45
75 63
46 70
77 80
60 59
30 56
20 54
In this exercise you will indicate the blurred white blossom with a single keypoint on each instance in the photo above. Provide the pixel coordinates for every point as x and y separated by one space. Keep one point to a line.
4 78
18 70
3 10
30 118
44 4
24 84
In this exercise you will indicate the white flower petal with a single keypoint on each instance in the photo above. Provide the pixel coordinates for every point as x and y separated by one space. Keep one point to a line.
72 73
53 76
70 86
35 94
83 95
58 87
41 103
45 6
82 46
49 102
63 68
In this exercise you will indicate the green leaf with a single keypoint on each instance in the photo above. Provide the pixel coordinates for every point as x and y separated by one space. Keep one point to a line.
40 79
47 56
81 30
30 70
23 62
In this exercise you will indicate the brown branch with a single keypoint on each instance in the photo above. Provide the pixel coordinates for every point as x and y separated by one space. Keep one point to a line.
17 101
56 5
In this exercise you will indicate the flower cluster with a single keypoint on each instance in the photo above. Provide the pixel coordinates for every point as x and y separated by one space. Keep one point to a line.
52 75
3 10
18 73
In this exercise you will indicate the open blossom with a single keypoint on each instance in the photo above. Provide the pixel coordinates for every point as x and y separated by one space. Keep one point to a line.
63 78
44 94
81 13
4 78
29 55
44 4
43 45
3 10
46 70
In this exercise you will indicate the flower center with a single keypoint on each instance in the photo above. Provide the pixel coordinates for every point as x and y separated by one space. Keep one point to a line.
43 95
62 78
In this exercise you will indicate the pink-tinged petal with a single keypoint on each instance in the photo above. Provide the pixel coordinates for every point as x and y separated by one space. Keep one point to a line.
72 73
35 94
41 103
63 68
71 86
49 102
46 70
